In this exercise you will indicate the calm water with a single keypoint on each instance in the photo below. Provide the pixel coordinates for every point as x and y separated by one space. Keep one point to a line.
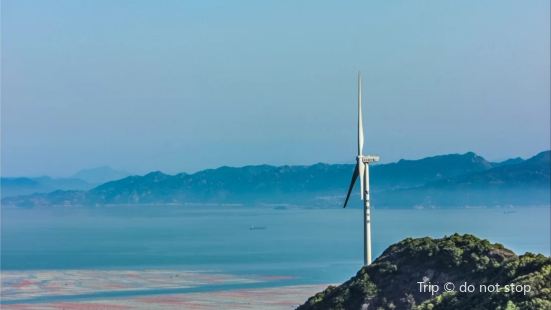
312 245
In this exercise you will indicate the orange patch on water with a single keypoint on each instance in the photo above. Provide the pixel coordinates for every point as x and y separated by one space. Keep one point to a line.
65 306
171 300
24 283
86 306
115 286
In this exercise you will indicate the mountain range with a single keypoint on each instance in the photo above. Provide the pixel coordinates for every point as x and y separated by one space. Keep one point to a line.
19 186
82 180
438 181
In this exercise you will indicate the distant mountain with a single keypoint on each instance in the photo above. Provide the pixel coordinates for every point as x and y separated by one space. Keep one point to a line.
25 186
532 172
81 181
392 281
447 180
100 175
518 183
516 160
261 183
411 173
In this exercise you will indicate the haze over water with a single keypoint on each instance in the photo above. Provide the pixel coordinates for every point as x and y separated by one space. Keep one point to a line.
305 245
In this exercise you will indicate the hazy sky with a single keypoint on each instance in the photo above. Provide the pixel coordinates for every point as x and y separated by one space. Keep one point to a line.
186 85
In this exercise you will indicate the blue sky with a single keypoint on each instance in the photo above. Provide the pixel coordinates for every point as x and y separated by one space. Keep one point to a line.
187 85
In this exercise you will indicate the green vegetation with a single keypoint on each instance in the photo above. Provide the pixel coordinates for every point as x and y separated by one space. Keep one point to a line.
391 282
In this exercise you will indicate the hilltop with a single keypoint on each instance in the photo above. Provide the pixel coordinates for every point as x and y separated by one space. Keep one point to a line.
443 181
391 282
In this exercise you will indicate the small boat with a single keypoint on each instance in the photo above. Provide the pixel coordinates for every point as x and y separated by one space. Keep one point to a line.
257 227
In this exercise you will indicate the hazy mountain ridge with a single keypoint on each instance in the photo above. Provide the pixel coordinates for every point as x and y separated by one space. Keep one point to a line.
100 175
224 184
534 171
445 180
411 173
525 182
25 186
391 282
82 180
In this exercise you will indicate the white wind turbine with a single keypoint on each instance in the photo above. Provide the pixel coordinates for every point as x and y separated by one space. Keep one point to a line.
362 170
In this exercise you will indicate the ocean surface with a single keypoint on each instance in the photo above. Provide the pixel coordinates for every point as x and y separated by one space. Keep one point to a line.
297 245
312 244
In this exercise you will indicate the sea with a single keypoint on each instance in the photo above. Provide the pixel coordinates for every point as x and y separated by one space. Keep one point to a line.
298 244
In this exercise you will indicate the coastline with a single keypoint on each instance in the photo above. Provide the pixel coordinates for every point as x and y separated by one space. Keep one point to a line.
274 298
147 289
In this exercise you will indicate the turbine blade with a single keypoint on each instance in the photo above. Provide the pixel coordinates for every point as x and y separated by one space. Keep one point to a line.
360 121
354 178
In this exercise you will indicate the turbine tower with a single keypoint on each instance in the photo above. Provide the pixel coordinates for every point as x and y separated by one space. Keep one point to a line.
362 171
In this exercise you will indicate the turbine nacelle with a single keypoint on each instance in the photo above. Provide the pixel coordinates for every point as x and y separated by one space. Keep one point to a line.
369 159
361 171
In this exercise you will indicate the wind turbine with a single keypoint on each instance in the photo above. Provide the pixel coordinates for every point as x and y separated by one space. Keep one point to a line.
362 171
